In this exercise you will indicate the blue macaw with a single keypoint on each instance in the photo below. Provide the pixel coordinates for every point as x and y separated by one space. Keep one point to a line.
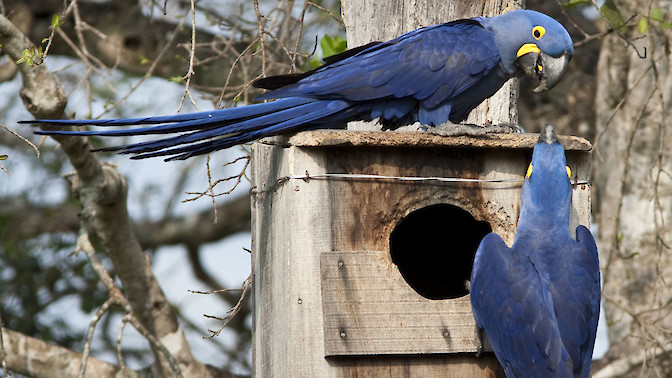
432 75
539 301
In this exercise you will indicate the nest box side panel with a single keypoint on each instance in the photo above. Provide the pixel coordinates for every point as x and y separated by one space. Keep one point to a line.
290 228
580 164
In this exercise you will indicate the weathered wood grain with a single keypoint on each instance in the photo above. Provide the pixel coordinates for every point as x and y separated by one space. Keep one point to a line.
370 309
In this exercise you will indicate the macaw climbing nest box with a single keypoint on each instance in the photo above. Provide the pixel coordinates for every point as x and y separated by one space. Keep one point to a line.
363 244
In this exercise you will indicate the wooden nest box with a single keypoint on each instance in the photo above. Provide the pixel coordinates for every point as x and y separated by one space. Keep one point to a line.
361 248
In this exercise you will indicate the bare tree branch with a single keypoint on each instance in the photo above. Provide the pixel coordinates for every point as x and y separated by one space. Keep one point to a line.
102 194
628 364
35 358
31 220
198 229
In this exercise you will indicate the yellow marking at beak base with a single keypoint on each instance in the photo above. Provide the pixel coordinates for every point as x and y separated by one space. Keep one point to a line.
529 171
569 172
527 48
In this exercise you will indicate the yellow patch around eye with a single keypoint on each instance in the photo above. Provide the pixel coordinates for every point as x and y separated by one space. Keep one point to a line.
569 172
538 31
529 171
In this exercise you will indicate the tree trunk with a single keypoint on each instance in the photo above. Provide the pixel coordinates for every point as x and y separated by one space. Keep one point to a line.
634 198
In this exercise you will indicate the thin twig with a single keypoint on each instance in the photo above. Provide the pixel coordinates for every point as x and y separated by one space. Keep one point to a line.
570 20
233 66
79 28
616 109
31 144
175 366
297 47
192 53
210 190
327 11
149 72
232 312
211 187
116 296
214 291
120 354
262 43
102 310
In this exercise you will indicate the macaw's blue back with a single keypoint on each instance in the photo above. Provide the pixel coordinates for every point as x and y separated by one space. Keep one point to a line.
539 301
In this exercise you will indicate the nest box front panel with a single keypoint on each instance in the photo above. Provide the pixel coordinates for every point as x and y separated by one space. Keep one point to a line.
394 277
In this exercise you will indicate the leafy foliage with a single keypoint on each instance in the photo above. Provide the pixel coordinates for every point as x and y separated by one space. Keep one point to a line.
330 46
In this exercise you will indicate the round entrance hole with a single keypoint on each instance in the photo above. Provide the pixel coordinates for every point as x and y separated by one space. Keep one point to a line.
434 249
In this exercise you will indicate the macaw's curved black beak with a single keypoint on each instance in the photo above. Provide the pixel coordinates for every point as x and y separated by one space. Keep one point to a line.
545 69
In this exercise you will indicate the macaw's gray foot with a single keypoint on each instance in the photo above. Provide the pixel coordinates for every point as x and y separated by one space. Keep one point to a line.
457 129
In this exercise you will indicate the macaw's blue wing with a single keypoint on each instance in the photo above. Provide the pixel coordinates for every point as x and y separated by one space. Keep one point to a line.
517 314
574 272
415 77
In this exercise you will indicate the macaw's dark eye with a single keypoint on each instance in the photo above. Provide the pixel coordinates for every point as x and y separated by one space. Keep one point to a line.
538 32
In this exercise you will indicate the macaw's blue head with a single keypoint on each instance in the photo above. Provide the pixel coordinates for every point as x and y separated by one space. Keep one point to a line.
532 43
547 190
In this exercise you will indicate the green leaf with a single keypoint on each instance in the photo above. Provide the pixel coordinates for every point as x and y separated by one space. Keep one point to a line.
27 56
609 11
657 14
642 25
176 79
144 60
573 3
332 45
314 62
56 22
665 25
3 157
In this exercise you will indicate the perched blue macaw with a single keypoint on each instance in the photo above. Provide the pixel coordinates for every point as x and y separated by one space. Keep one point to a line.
539 301
432 75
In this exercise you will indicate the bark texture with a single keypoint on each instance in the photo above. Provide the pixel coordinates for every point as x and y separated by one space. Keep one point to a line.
633 189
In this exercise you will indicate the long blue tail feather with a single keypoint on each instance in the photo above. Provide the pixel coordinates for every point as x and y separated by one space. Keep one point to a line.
143 150
229 114
204 132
